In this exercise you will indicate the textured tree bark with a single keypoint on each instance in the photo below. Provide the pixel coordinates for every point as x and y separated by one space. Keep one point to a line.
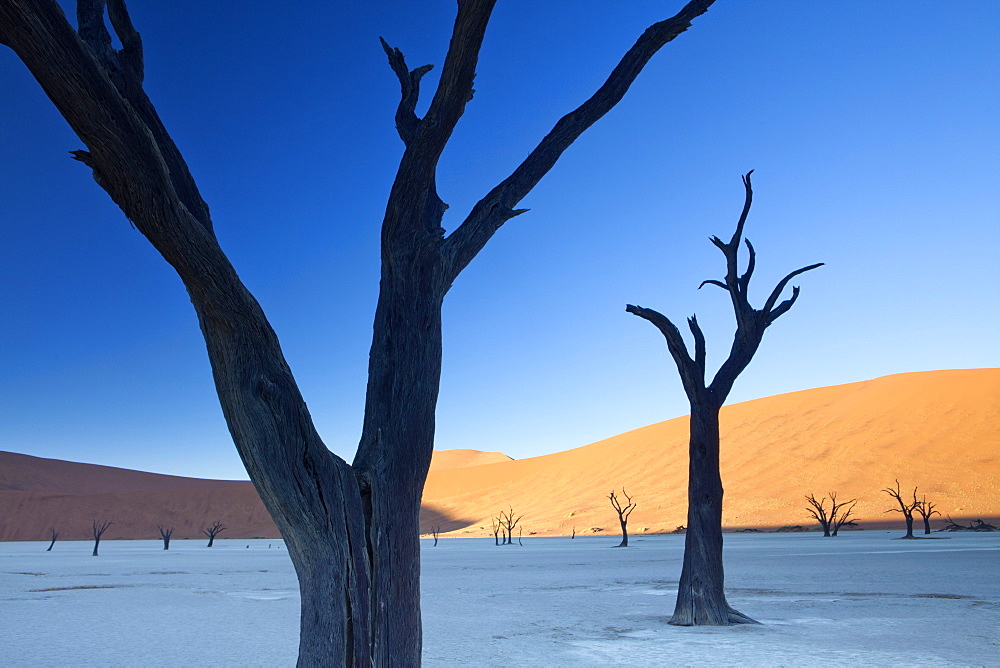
701 597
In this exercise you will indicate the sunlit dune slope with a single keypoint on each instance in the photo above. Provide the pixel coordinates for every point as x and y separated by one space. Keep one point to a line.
939 430
461 458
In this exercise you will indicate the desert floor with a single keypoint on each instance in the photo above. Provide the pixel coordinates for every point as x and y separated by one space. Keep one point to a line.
862 598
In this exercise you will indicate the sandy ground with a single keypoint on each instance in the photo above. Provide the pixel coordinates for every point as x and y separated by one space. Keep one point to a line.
859 599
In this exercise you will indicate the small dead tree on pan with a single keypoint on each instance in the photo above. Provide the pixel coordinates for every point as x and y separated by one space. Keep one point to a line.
55 535
842 512
509 523
926 510
213 531
165 534
434 532
701 598
495 524
573 535
623 513
99 528
836 517
905 507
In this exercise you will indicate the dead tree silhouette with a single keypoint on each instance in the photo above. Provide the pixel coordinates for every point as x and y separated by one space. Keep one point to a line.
701 598
623 513
98 530
926 510
839 513
906 508
353 530
165 534
509 522
54 535
212 532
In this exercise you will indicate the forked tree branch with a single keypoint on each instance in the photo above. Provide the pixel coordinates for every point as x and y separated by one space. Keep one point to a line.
750 322
692 377
407 122
497 207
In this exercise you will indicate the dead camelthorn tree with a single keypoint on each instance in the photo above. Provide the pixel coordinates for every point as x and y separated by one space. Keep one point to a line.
838 515
165 535
701 598
212 532
98 529
508 522
496 530
905 507
926 510
353 531
434 532
623 513
54 535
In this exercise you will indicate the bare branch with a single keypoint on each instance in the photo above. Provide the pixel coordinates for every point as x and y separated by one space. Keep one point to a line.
699 346
787 304
494 209
691 377
130 56
712 281
407 122
744 280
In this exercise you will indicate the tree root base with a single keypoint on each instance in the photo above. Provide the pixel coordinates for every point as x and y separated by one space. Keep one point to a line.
734 617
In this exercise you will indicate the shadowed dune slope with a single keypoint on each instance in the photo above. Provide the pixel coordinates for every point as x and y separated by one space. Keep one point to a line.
939 430
37 493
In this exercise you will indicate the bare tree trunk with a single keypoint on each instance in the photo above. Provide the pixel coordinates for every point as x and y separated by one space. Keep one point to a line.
701 596
909 527
55 535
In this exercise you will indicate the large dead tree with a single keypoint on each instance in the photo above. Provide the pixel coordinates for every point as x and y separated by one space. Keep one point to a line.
701 598
926 510
905 507
623 513
98 529
212 532
831 520
352 530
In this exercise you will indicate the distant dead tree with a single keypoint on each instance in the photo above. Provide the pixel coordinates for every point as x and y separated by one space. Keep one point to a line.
520 531
623 513
509 522
495 523
906 508
839 514
574 533
701 598
165 534
55 535
213 531
99 528
926 510
434 532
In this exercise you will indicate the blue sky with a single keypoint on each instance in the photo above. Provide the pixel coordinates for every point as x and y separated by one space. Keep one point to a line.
872 127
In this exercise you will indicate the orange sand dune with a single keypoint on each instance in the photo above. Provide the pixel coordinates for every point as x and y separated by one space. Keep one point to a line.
454 459
939 430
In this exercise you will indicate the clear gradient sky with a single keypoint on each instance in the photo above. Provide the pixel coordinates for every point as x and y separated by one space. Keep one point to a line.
874 130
